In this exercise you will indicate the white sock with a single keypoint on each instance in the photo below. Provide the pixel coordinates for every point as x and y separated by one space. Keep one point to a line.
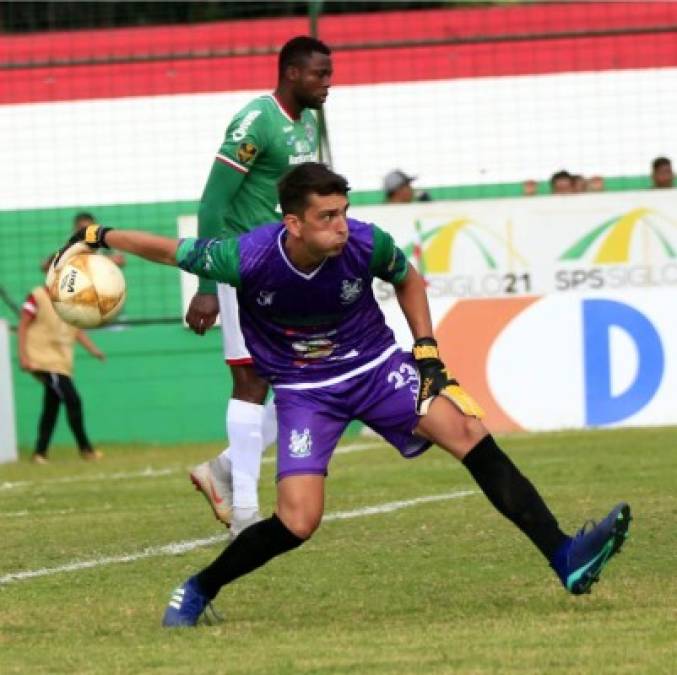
269 423
269 431
245 432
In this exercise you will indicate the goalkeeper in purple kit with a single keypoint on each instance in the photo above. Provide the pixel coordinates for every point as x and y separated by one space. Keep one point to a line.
316 333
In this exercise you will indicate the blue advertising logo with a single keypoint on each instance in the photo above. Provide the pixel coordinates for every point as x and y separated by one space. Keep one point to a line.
601 405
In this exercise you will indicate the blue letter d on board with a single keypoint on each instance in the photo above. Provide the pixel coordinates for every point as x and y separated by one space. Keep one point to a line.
601 406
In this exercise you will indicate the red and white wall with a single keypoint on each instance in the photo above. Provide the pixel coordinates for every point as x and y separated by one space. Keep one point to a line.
503 111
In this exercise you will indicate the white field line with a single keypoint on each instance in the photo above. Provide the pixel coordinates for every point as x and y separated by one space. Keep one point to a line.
179 547
11 485
150 472
63 512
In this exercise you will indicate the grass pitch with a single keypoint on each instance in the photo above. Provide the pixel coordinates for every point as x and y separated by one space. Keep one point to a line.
431 586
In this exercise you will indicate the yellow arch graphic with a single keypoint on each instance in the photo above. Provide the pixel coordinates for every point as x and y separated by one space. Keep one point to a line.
616 245
437 255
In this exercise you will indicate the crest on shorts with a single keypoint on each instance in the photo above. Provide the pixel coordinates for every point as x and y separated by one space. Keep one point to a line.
350 290
300 444
246 152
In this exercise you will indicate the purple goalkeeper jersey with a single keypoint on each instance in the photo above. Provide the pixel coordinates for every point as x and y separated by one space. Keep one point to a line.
305 328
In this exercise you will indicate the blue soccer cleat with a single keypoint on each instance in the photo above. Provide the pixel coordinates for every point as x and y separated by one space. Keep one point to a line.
186 606
580 561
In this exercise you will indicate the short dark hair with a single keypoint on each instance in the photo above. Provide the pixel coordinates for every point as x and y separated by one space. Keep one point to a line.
295 52
307 179
83 215
659 162
560 174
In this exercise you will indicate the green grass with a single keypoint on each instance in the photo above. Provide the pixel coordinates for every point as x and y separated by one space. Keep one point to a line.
440 587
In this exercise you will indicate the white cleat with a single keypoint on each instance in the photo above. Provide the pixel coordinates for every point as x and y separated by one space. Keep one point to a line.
215 483
241 521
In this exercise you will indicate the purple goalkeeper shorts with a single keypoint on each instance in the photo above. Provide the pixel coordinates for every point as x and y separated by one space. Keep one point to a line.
311 421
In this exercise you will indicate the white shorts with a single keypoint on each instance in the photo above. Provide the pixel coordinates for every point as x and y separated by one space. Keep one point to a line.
235 351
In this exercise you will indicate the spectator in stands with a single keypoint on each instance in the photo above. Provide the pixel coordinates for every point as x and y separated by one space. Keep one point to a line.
594 184
80 221
562 183
530 188
661 173
398 190
578 182
46 351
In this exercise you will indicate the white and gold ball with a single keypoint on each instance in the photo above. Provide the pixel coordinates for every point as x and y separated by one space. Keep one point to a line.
88 291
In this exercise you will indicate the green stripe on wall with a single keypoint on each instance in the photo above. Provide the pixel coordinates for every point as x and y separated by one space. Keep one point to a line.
28 237
158 384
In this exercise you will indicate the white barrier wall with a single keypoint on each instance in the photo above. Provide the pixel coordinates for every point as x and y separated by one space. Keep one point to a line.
8 452
555 312
448 132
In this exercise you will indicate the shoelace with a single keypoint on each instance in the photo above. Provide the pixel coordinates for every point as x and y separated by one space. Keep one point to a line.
588 526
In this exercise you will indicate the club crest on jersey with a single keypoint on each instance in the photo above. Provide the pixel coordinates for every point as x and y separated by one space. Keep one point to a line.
310 132
265 298
246 152
302 147
350 290
300 444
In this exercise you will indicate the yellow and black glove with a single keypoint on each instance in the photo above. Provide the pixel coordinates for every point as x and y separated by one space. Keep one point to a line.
85 239
435 380
92 235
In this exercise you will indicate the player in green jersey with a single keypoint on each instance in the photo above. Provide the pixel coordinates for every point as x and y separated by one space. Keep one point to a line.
266 138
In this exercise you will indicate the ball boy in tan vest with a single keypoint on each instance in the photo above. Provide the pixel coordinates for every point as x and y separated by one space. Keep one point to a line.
46 351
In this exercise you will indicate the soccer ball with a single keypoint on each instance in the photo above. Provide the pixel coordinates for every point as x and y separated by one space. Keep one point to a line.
88 291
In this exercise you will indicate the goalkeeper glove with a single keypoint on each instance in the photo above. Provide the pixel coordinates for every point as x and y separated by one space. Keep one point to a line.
435 380
85 239
92 235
